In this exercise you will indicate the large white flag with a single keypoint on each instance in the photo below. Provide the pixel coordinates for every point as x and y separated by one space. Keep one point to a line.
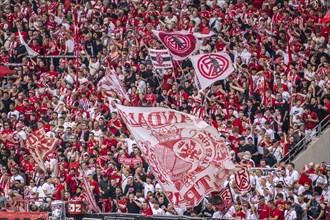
29 50
211 67
181 44
160 59
110 82
186 155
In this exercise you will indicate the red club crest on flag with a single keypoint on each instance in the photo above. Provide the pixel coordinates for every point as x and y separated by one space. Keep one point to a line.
185 154
212 66
159 59
242 178
181 44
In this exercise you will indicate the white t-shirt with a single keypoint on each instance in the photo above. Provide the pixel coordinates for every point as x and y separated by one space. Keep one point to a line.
147 188
295 111
158 211
48 188
290 215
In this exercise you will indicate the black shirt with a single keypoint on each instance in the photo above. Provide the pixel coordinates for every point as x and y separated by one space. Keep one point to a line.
132 207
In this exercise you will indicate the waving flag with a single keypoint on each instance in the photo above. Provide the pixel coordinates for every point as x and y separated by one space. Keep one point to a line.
227 200
29 50
186 155
39 145
242 179
90 198
181 44
160 59
212 67
110 82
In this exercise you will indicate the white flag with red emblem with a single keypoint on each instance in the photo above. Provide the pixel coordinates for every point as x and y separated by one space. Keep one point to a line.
242 179
39 146
186 155
160 59
110 82
181 44
211 67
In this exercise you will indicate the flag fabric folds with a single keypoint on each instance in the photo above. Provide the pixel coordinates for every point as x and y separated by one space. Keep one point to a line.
90 198
110 82
242 179
160 59
211 67
227 200
186 155
180 44
39 145
29 50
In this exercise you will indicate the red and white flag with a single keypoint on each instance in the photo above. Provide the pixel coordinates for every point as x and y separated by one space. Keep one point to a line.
211 67
90 198
186 155
110 82
181 44
227 200
242 179
160 59
39 145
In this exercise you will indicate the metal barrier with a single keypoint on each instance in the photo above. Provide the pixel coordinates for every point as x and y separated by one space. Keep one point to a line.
302 145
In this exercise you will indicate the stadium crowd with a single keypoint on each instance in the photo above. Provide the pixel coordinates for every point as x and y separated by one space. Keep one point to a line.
278 93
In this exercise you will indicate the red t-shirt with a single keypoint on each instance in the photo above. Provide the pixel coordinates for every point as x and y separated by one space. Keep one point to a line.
58 195
263 211
96 189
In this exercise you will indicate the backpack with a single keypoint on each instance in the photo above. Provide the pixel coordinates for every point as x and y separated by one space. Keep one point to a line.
299 210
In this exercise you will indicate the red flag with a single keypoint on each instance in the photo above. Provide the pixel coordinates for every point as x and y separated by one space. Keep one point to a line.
40 146
181 44
186 155
326 18
90 198
242 179
227 200
67 5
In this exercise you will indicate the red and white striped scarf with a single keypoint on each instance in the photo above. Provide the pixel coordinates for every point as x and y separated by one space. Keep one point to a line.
90 198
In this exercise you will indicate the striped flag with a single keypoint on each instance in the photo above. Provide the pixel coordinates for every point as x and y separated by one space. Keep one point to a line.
110 82
90 198
160 59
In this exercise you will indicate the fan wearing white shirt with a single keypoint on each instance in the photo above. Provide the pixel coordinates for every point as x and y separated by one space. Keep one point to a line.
290 213
156 210
291 172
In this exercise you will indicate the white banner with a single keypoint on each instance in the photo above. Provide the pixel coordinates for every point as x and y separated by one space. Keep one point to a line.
186 155
181 44
29 50
212 67
160 59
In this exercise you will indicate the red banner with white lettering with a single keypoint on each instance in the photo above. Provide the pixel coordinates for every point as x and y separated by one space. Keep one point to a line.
242 179
181 44
39 145
129 161
186 155
24 215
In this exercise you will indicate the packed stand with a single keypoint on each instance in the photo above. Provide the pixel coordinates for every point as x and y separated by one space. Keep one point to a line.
267 105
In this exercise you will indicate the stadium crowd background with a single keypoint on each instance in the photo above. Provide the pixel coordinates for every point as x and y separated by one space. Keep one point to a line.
269 103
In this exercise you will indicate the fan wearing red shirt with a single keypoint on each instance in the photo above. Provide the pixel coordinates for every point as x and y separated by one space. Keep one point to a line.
59 195
122 204
94 185
280 206
275 213
115 123
146 210
239 214
263 209
71 182
310 118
